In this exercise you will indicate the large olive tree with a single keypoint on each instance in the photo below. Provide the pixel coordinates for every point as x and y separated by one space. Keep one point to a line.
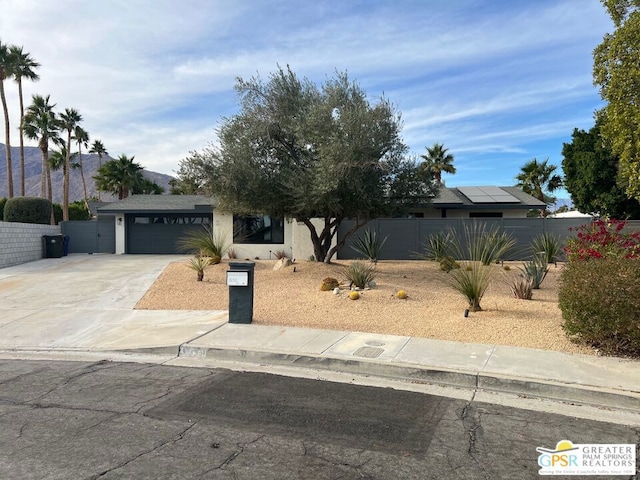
303 151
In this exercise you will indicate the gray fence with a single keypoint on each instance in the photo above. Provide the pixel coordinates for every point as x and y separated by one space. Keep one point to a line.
22 242
406 237
96 236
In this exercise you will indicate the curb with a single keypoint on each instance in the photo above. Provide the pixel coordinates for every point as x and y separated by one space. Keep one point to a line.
476 380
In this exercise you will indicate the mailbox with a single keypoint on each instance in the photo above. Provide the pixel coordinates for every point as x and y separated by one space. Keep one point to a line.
240 283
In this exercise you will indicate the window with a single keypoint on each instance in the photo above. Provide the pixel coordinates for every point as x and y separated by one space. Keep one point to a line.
485 215
258 229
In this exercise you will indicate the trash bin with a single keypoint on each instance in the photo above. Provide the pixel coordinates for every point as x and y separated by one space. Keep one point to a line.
53 246
66 245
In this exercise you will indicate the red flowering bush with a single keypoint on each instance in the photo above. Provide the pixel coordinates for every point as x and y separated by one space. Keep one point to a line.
599 293
603 239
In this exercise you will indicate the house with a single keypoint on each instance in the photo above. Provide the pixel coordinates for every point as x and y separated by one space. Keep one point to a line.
154 224
480 202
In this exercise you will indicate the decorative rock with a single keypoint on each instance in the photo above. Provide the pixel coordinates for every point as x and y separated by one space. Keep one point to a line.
282 263
336 291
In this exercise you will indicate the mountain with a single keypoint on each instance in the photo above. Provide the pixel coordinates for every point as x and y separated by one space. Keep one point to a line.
32 164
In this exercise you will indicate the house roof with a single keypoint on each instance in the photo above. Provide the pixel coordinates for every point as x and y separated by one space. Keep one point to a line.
514 198
160 204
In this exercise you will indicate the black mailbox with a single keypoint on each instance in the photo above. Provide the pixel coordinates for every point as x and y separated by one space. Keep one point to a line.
240 283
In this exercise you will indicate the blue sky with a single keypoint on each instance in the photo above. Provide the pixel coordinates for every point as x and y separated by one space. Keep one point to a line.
497 82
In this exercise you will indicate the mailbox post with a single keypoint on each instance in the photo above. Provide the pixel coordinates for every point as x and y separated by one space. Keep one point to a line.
240 283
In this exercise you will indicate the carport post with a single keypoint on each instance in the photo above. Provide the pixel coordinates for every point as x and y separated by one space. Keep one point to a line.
240 283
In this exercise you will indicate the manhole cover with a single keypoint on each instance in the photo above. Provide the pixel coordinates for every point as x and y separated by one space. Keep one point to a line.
375 343
368 352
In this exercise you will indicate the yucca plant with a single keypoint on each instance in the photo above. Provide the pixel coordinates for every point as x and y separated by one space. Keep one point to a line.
199 264
369 245
360 273
206 242
548 244
471 283
438 246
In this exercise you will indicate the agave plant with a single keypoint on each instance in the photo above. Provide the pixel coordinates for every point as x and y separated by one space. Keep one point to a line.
369 245
536 269
360 273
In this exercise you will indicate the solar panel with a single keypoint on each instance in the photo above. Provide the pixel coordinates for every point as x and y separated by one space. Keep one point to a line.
487 195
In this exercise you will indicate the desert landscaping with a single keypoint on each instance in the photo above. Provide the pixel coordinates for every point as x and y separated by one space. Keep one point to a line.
292 297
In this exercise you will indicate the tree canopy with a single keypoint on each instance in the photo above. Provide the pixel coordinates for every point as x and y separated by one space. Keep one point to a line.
590 176
123 176
437 160
616 71
303 151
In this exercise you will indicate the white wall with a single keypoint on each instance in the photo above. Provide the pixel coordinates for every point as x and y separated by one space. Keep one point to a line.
120 233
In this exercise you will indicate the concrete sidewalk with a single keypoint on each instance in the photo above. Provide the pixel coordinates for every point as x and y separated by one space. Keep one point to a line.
85 304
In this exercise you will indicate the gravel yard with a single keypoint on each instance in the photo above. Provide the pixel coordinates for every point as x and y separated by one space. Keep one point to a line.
433 310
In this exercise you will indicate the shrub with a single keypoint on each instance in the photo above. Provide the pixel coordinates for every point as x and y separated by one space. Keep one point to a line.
280 254
472 283
78 211
369 245
28 210
205 243
402 295
522 287
602 239
231 253
448 263
354 295
548 244
360 273
438 246
3 201
600 300
199 264
329 284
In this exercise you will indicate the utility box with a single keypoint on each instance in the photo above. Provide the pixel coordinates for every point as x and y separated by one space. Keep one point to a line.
240 283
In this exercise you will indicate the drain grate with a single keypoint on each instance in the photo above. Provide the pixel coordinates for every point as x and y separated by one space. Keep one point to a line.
368 352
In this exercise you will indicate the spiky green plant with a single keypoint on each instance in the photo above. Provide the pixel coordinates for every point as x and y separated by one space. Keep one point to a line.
360 273
369 245
471 283
438 246
199 264
536 269
478 243
205 242
548 244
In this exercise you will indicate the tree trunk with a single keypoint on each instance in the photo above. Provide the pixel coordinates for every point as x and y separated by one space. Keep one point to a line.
45 159
65 184
322 248
7 136
99 165
84 184
22 189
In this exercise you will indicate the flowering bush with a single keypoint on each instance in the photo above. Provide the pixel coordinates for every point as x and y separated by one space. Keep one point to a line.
603 239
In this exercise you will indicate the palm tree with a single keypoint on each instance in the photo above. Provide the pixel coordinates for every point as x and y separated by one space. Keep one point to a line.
24 66
69 120
119 176
40 123
6 71
98 149
81 137
437 160
537 178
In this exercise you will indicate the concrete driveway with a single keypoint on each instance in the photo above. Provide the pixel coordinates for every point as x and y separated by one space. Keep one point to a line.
85 302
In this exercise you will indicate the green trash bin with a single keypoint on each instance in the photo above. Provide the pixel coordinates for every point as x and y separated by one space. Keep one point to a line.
53 246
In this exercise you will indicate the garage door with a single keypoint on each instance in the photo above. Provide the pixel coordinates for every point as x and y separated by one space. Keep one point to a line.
160 234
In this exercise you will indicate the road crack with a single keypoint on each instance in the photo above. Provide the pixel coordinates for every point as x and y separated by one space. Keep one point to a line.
355 467
472 422
235 454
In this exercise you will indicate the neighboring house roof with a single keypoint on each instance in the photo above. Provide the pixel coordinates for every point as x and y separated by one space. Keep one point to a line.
485 198
94 206
160 204
571 214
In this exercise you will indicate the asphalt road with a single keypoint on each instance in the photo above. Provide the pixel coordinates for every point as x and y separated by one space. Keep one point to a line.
109 420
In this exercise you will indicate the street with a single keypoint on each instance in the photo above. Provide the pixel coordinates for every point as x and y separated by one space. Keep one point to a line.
112 420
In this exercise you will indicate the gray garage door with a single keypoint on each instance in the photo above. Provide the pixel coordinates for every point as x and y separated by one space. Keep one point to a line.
160 234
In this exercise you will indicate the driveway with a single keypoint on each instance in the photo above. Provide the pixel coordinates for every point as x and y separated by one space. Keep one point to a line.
85 302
